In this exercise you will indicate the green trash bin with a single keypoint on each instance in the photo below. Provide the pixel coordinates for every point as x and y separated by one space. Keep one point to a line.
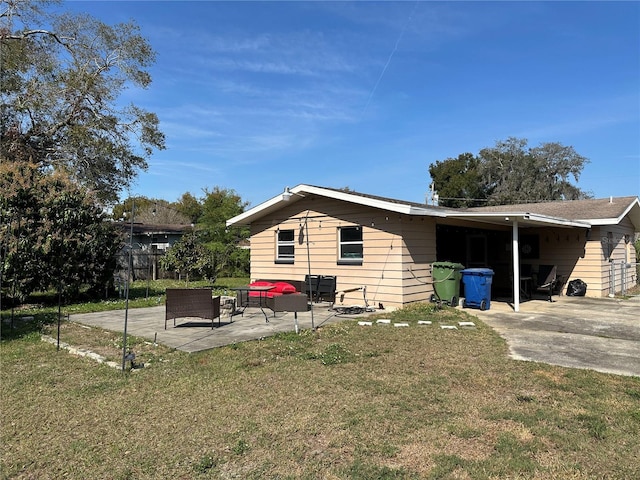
446 282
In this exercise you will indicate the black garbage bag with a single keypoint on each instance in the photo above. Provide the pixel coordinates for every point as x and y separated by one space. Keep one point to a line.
576 288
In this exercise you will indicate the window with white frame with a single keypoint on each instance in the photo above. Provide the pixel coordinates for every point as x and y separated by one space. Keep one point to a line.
285 246
351 246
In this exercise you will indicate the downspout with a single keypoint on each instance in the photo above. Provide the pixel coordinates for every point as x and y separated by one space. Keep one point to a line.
516 266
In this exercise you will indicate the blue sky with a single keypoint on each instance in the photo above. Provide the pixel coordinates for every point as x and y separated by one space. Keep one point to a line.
256 96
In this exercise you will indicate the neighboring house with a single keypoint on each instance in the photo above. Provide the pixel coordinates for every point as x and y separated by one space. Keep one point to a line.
149 242
389 245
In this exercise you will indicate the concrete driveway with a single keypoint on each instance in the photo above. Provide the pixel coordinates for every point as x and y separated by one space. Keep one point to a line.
600 334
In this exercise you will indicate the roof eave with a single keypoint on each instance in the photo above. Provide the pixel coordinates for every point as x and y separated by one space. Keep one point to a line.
526 218
256 212
522 217
632 211
300 191
345 196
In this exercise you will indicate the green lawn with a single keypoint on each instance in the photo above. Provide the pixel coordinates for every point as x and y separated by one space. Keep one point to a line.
344 402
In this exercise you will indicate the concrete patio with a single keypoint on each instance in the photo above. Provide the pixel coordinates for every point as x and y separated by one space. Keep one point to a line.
195 334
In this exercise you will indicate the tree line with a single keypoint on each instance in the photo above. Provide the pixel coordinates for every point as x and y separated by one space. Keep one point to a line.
509 173
54 235
209 249
68 149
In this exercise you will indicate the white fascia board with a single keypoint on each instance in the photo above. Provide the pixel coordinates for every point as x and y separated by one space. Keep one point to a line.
506 216
367 201
604 221
245 217
556 221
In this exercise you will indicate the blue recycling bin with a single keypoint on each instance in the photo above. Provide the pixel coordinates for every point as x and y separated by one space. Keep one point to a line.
477 287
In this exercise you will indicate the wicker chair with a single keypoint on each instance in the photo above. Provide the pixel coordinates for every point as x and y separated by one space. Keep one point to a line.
191 302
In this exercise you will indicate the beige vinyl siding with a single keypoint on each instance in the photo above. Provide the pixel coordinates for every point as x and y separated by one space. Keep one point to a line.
398 250
577 256
387 281
572 253
594 267
419 252
590 267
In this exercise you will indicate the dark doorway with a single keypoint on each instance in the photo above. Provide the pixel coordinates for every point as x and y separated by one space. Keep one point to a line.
478 248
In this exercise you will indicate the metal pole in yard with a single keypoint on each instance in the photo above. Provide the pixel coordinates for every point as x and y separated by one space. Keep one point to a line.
59 309
126 304
306 226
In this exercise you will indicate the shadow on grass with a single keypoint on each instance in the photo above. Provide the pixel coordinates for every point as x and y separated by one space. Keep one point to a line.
23 324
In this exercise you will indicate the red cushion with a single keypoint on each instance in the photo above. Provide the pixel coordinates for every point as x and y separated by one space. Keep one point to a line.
279 289
260 284
284 287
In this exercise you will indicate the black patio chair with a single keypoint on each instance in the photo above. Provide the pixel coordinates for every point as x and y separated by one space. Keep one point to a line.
311 286
327 288
547 280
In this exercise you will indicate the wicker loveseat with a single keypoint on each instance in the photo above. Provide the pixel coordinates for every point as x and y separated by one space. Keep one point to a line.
191 302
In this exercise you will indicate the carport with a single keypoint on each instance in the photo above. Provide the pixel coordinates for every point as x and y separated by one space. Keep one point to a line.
516 221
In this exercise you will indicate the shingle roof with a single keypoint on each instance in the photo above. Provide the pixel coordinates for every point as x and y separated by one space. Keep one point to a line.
590 209
141 228
373 197
567 213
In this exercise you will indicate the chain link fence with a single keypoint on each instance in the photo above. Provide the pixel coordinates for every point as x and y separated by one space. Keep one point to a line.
624 278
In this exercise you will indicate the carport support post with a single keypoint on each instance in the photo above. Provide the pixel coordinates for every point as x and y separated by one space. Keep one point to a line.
516 267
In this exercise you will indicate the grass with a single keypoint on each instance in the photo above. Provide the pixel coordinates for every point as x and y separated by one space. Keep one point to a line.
632 292
343 402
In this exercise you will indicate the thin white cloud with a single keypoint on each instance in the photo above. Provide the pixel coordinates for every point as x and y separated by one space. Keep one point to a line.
590 115
570 127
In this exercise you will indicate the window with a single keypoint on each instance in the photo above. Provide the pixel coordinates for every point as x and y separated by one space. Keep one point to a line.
351 245
285 246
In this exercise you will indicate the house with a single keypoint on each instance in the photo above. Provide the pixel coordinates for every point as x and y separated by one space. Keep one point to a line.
149 242
389 245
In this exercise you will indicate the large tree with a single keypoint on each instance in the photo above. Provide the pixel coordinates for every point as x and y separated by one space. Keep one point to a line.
150 211
52 234
61 77
189 206
514 173
458 181
509 172
218 206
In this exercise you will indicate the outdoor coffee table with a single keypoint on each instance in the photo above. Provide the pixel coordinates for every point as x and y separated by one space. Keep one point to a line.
262 295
